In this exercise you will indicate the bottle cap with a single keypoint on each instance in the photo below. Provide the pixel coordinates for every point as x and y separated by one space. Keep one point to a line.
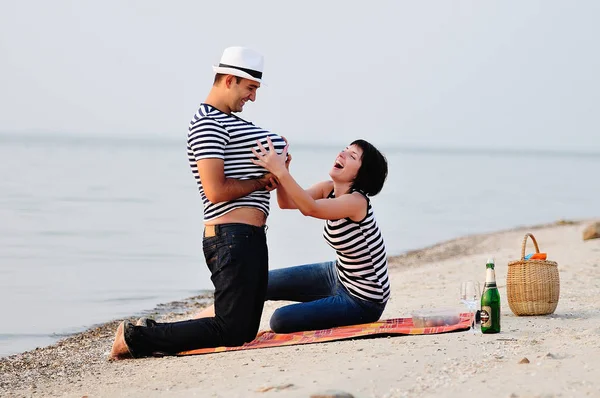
490 260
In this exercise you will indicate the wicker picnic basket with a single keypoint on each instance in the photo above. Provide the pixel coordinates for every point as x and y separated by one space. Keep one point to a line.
532 286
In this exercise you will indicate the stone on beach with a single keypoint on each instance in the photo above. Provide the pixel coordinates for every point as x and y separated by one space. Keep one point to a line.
592 231
332 394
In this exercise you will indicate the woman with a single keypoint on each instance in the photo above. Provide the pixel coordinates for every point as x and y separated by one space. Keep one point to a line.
353 289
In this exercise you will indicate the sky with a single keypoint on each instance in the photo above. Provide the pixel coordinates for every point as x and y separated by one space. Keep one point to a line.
464 74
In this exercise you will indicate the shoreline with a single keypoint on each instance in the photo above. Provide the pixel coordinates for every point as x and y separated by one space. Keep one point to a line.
46 363
172 309
74 359
466 244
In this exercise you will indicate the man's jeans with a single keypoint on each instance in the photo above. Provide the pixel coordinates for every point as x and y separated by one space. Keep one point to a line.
324 301
237 258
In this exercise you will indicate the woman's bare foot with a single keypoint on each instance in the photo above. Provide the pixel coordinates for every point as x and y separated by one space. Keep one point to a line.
119 348
208 312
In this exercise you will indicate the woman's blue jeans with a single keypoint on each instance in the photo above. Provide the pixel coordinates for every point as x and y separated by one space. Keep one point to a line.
323 301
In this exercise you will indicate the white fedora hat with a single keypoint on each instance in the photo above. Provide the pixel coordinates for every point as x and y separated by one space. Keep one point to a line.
242 62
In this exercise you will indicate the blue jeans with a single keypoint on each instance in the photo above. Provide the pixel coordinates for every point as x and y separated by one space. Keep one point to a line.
323 301
237 258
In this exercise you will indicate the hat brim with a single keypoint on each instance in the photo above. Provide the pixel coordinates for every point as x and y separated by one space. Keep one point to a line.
235 72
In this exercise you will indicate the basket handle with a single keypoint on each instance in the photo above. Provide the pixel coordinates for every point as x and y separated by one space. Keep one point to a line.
528 235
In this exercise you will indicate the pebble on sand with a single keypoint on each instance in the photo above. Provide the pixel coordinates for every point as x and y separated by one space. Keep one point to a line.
592 231
332 394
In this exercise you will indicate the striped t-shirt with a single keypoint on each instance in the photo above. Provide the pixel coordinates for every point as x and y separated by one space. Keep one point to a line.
215 134
361 257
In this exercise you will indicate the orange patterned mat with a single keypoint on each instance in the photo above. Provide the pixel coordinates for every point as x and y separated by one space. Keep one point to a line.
389 327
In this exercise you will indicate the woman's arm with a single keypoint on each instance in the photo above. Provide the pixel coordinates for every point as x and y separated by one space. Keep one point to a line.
319 190
352 206
283 199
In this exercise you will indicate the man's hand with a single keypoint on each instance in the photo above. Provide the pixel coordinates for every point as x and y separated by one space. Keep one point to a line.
269 181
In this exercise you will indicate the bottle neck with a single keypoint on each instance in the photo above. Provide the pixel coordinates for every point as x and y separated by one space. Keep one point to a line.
490 276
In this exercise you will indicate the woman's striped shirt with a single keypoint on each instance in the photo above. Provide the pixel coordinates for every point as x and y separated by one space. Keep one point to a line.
361 256
215 134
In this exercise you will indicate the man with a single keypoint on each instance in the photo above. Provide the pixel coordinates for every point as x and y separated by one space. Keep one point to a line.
235 193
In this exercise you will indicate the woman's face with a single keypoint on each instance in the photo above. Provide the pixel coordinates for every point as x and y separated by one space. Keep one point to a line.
347 164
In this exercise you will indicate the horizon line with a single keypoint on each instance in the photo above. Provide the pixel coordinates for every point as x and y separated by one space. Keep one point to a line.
389 147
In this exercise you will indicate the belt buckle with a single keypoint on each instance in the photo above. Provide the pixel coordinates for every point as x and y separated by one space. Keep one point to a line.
209 231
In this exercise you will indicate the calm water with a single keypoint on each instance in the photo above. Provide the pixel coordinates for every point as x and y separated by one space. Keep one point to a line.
97 229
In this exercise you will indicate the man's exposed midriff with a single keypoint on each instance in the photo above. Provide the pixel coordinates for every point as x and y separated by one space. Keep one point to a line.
243 215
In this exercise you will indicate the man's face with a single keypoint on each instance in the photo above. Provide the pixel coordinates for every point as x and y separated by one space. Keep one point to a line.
241 92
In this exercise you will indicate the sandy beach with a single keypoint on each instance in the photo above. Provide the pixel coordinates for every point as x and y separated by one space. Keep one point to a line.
562 349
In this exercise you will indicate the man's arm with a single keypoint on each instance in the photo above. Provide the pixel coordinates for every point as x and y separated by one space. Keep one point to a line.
218 188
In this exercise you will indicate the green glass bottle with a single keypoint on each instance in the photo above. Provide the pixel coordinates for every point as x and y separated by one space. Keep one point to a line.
490 301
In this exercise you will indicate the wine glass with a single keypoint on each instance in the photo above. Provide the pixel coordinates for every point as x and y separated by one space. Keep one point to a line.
470 295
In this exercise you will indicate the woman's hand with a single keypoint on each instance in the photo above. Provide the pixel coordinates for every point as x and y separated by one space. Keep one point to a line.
270 160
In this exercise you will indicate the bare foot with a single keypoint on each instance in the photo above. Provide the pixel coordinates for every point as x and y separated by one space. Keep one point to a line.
146 322
208 312
119 348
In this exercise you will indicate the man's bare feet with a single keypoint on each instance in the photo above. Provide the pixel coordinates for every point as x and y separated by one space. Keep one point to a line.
146 322
119 348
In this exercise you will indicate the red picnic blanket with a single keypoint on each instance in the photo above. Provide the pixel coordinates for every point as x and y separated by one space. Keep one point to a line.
388 327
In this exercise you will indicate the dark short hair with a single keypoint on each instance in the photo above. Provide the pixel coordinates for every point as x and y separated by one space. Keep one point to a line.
373 170
220 76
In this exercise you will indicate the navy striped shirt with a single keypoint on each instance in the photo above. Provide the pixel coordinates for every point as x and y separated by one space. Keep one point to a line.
361 256
215 134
